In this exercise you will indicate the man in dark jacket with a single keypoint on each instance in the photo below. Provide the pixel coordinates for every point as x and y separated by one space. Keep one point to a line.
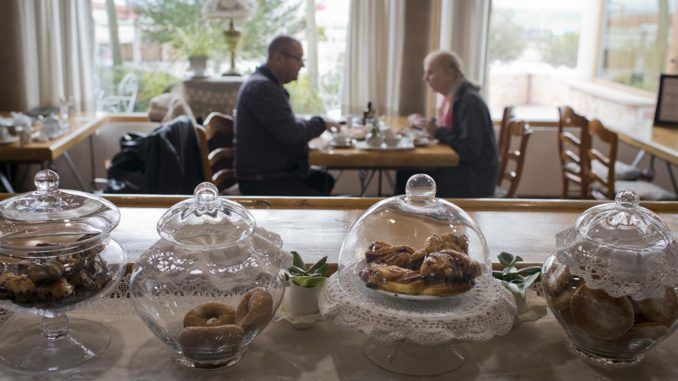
271 144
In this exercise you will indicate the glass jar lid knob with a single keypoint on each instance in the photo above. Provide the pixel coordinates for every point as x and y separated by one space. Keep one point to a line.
627 199
206 195
46 181
420 188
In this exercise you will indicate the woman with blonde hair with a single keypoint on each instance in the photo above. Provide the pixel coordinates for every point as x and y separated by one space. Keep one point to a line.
463 122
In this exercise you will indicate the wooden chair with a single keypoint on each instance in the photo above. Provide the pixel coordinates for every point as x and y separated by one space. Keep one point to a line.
217 150
572 150
606 187
509 114
515 129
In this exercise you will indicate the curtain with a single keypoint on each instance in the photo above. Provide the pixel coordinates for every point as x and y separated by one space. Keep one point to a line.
463 29
373 61
57 52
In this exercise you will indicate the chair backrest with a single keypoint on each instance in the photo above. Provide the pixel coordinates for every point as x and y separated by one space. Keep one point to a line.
509 114
125 99
598 131
515 129
129 88
573 150
217 150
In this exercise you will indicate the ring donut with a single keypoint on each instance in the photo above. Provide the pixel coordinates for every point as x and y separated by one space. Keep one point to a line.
210 343
209 315
255 309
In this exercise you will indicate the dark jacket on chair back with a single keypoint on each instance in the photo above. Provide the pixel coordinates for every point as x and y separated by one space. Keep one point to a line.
166 161
270 142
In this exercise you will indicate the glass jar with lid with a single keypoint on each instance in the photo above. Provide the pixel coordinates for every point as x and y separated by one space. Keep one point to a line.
56 255
611 282
212 282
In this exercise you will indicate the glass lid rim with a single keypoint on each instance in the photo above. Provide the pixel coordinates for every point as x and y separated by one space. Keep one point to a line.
233 206
40 251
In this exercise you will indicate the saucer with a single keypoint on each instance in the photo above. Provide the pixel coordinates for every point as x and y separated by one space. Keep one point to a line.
9 139
334 144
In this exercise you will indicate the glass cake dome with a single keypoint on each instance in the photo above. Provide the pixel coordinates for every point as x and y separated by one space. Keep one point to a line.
415 246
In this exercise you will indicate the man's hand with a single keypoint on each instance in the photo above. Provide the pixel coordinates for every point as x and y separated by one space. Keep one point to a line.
332 126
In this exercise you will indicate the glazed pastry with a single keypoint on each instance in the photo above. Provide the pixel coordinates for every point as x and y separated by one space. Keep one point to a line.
255 309
457 242
384 253
210 315
601 315
393 278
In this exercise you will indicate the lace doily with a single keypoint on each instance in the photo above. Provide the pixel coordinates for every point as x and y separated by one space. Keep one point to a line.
486 311
639 275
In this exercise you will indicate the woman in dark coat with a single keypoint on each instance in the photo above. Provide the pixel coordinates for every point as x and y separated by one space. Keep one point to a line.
463 122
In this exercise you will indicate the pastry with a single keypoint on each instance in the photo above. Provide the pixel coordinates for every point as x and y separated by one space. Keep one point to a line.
382 252
393 278
457 242
640 333
255 309
442 268
660 310
209 315
207 343
601 315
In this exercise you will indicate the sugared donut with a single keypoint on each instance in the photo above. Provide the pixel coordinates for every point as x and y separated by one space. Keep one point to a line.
208 343
255 309
209 315
601 315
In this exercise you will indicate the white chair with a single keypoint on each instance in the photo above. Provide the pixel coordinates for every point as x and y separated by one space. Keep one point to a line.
124 100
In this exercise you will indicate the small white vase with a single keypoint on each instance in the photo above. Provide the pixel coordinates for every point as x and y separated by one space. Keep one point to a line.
198 65
302 300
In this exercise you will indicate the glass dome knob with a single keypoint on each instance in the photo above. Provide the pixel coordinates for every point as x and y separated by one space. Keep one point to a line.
206 195
46 181
627 199
420 187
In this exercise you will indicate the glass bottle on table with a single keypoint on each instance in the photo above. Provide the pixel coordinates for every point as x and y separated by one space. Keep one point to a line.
368 114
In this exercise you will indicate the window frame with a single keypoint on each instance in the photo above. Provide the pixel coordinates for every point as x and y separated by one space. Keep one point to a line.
595 70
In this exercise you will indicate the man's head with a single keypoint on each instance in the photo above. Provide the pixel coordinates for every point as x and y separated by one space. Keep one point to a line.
285 58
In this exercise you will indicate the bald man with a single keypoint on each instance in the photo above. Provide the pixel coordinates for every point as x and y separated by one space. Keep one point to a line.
271 155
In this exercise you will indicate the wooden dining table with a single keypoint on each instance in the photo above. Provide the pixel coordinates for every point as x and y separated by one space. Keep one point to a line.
658 141
433 155
81 127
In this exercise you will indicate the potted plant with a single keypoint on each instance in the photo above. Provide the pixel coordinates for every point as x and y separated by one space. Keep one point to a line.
531 306
195 42
303 282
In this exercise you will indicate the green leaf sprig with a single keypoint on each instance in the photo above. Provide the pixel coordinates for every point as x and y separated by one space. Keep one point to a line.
516 280
304 276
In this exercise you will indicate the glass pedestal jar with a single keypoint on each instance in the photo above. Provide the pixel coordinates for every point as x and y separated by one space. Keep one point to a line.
56 255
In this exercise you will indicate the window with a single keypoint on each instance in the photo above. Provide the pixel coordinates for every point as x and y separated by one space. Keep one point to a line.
148 47
635 38
532 52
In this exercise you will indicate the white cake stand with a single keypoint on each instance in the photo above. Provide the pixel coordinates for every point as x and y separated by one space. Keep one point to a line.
417 337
